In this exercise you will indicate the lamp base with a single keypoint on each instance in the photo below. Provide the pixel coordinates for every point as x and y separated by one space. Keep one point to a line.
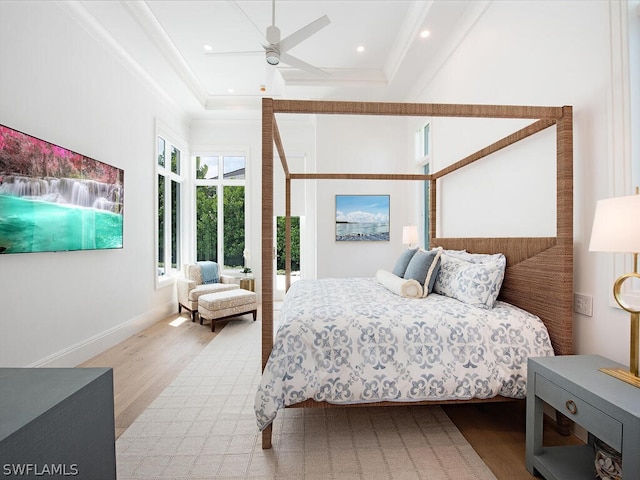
622 374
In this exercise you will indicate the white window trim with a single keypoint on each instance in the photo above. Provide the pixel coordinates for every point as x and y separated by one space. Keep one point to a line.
171 139
421 158
619 121
219 183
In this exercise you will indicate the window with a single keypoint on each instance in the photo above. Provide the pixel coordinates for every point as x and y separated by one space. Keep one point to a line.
220 208
169 204
427 206
281 264
423 158
423 144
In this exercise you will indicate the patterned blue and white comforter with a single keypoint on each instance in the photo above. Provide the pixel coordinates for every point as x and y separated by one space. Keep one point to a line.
350 340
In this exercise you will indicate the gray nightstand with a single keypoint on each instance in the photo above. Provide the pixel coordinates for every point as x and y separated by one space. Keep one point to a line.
605 406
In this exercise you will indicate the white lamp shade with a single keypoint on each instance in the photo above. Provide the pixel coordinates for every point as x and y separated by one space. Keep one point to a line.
616 225
409 234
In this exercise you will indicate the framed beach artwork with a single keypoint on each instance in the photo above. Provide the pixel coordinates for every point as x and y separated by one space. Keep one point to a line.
362 218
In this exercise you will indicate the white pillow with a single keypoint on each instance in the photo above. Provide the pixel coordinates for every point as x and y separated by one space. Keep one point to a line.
400 286
473 257
476 284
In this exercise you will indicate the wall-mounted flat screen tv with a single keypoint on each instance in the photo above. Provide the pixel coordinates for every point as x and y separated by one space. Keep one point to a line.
53 199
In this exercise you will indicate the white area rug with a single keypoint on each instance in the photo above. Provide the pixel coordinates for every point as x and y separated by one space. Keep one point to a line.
203 427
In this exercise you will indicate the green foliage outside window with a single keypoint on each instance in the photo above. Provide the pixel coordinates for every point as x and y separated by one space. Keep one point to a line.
295 244
233 204
233 226
206 224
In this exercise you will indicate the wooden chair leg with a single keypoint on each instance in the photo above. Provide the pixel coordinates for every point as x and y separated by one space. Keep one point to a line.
255 315
213 325
266 438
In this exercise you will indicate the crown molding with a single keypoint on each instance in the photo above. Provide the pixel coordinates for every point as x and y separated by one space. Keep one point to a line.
78 12
150 25
471 17
411 27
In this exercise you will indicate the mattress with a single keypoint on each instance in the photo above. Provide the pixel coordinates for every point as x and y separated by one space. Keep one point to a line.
351 340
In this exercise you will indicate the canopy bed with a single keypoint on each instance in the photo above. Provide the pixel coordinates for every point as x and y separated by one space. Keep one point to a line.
537 279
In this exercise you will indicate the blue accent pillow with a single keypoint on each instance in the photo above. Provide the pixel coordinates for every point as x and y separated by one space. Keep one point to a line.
403 261
424 267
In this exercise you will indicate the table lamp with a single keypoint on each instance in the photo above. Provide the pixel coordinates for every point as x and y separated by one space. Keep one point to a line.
616 228
409 235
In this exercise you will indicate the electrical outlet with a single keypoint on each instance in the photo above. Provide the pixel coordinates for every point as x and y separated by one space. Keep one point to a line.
583 304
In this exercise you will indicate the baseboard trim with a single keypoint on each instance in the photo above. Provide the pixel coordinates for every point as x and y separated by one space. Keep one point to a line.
89 348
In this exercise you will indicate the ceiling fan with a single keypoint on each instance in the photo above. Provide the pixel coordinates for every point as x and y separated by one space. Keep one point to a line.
275 50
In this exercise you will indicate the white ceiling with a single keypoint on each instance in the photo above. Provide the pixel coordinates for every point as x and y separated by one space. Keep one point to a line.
164 40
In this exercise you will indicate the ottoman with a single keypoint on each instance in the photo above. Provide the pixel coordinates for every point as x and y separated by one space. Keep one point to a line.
223 305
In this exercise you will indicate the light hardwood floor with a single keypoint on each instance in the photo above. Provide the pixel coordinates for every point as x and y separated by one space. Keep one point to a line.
146 363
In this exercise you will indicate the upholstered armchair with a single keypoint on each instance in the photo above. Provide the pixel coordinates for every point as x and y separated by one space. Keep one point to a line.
191 287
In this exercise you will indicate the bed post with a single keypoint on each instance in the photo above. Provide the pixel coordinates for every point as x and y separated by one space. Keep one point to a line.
564 217
267 241
433 185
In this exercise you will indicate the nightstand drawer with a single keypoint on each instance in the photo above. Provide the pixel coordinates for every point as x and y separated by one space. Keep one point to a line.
595 421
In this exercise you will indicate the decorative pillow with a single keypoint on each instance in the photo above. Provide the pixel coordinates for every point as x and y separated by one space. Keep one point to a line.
423 267
404 287
476 284
473 257
403 260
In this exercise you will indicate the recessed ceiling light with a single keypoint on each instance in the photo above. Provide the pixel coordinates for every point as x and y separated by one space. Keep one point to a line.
230 90
425 33
207 47
360 49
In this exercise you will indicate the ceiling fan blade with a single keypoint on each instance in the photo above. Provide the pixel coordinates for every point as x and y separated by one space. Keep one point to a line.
298 36
301 65
246 52
257 29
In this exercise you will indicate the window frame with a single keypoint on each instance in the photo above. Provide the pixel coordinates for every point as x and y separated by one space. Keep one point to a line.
170 140
220 183
623 111
424 144
423 155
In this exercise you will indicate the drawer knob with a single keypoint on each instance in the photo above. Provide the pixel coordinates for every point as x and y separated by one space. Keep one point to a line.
571 406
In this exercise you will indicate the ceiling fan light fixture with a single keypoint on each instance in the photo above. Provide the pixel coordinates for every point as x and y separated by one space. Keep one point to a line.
273 56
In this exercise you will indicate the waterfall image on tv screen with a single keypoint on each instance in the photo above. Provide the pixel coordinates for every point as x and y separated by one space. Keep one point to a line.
53 199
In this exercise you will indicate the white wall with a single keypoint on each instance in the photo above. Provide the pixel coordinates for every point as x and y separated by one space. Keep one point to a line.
545 53
62 85
354 144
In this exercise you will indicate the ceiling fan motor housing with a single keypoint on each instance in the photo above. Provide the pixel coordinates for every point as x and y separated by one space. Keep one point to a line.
273 37
273 34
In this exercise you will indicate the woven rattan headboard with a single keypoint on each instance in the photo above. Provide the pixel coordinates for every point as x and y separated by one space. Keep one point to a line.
538 279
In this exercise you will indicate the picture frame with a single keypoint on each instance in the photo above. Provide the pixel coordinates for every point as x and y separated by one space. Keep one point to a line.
362 218
53 199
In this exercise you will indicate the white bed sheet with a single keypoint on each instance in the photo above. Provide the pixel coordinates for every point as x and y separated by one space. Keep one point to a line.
350 340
